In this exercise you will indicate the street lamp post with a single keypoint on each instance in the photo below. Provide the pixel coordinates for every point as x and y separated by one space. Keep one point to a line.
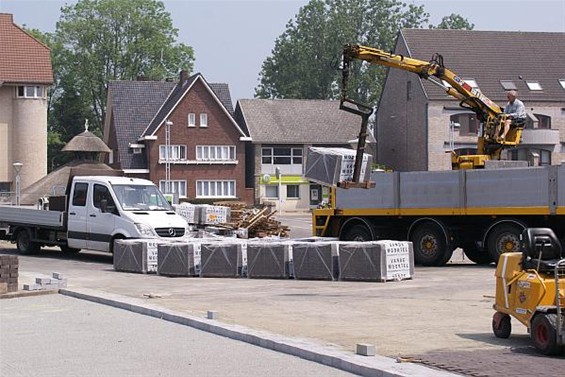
18 168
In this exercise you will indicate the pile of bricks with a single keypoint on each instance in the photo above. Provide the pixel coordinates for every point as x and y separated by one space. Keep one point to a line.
8 273
43 283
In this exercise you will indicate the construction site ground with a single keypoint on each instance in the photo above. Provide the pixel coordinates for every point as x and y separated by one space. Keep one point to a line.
441 318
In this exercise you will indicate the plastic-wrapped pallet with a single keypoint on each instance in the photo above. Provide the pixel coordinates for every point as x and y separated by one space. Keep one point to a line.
268 260
221 259
398 259
210 215
188 211
177 259
136 255
361 261
329 166
314 260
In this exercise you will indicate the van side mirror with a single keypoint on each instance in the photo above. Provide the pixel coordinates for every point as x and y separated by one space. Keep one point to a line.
104 205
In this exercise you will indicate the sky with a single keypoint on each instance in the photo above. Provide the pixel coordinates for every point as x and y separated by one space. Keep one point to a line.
232 38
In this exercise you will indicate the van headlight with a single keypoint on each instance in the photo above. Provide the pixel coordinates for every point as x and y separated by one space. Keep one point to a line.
145 230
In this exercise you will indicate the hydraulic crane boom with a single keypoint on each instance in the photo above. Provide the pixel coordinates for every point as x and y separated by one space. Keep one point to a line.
491 116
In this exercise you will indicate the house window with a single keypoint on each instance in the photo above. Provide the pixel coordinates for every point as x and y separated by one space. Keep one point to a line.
203 120
215 189
173 153
30 92
534 85
544 121
469 124
281 156
562 83
215 152
175 186
293 191
191 120
272 191
508 85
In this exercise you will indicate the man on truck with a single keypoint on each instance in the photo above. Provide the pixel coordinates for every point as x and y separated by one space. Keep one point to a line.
516 112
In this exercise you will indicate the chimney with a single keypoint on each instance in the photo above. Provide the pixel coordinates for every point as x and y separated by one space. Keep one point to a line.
183 76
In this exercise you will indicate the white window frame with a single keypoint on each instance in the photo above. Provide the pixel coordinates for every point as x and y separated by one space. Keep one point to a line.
508 85
215 189
294 154
31 91
177 153
203 120
534 86
215 153
191 120
177 186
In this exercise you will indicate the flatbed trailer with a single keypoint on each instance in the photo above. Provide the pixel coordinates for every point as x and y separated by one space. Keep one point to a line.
484 211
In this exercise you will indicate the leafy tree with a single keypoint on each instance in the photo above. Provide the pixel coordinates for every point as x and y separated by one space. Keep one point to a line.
305 59
454 21
103 40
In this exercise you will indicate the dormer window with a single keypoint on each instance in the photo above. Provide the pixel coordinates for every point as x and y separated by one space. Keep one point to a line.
562 82
136 148
508 85
472 83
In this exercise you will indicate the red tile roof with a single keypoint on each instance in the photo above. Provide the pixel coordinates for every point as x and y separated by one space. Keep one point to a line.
23 59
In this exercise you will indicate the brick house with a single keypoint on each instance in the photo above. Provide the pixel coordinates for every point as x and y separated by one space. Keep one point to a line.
182 136
414 116
25 76
281 131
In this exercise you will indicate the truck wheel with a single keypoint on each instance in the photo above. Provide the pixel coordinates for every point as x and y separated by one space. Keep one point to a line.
544 335
358 233
69 250
504 239
501 326
24 243
430 245
476 254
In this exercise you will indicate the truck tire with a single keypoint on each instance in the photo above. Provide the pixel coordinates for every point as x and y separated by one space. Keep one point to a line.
24 243
544 335
358 233
505 238
476 254
430 245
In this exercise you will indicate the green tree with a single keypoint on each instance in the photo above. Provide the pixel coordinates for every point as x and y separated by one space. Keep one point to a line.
305 59
103 40
454 21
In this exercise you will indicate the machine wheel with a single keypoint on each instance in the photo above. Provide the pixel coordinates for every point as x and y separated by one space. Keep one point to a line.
476 254
501 326
430 245
504 239
69 250
24 243
358 233
544 334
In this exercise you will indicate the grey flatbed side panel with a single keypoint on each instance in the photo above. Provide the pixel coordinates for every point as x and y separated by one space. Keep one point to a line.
430 189
561 186
30 216
527 187
380 196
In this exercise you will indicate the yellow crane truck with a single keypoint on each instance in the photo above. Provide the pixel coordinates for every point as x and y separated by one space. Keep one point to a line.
484 211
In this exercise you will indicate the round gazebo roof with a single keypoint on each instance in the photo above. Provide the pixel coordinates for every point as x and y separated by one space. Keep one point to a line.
86 142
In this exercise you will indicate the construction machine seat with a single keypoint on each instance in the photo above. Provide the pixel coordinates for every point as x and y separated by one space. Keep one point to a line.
542 250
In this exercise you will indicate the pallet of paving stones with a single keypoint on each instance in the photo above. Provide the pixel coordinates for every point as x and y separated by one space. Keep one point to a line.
136 255
55 281
9 266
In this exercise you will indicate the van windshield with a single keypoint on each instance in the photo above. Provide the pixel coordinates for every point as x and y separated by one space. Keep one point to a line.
141 197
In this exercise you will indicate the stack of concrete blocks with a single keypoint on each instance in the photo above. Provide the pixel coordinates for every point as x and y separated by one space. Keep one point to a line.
177 258
9 265
56 281
212 215
314 260
329 166
376 261
137 255
188 211
268 260
221 259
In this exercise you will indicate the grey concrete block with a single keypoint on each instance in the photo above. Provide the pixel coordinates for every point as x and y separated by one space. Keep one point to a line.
313 260
360 261
220 259
176 259
212 314
268 260
57 275
32 287
42 281
365 349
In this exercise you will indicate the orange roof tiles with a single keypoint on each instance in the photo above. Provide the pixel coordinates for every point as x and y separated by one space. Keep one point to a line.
23 59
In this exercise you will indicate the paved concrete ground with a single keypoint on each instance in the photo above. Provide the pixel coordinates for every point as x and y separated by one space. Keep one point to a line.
56 335
442 317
